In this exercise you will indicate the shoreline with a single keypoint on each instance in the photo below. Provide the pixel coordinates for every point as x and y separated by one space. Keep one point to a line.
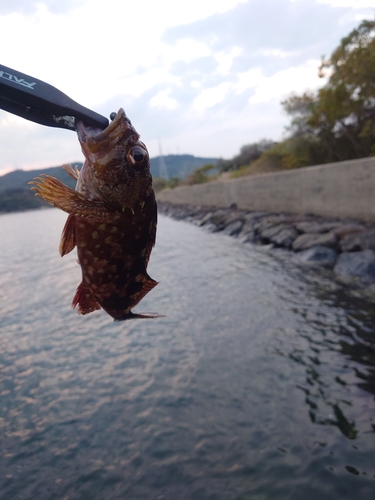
346 246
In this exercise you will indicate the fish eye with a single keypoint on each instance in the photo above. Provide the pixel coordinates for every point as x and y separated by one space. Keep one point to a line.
137 154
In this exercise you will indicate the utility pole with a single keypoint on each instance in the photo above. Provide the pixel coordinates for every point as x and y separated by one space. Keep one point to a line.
163 171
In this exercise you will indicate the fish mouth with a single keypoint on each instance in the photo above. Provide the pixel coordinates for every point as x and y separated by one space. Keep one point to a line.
84 132
94 139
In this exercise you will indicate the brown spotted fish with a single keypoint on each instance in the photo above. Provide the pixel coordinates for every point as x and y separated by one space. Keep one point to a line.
112 218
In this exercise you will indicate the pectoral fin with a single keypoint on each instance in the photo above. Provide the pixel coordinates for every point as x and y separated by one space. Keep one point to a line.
68 237
61 196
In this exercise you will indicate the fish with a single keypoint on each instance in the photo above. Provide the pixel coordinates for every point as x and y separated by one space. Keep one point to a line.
112 218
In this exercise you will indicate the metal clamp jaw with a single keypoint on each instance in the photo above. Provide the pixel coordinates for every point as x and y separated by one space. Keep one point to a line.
42 103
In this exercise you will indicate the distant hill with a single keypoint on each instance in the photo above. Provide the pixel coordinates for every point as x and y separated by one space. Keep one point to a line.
178 165
19 199
15 192
18 179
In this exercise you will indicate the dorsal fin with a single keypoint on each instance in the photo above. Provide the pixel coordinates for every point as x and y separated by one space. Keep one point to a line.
70 170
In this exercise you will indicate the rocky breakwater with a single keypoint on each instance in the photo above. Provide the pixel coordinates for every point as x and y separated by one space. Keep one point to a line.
345 246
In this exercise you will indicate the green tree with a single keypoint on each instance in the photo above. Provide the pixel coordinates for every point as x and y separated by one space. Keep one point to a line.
247 154
200 175
338 122
347 101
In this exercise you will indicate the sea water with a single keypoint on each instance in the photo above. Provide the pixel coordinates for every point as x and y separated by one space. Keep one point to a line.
258 384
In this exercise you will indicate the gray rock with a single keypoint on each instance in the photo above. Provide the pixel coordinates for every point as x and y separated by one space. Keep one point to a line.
234 228
356 264
248 227
248 232
309 240
282 235
206 218
234 217
210 227
323 256
269 232
362 241
250 216
285 237
346 229
269 222
220 219
251 238
317 226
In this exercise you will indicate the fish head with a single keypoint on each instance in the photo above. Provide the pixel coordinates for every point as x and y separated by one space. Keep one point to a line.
117 166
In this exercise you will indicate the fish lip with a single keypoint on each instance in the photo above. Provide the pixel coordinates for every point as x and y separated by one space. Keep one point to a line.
85 132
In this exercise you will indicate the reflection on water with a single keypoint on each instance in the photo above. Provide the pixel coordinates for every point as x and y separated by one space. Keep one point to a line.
258 384
345 327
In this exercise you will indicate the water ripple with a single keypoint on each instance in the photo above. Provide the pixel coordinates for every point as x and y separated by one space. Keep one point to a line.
258 384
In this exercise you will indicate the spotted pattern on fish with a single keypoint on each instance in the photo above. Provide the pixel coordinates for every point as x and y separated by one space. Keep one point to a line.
112 218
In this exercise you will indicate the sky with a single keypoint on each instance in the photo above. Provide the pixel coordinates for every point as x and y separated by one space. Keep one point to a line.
201 77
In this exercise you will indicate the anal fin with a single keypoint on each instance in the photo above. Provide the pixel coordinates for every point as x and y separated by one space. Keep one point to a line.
84 300
68 237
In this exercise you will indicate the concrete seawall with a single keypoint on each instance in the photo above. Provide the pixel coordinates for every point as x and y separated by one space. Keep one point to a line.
344 189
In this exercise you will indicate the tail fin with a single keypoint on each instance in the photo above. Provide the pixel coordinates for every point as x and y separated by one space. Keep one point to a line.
131 315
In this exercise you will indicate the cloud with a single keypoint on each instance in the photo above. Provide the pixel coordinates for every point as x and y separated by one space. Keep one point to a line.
27 145
212 96
205 76
263 30
163 100
278 84
30 6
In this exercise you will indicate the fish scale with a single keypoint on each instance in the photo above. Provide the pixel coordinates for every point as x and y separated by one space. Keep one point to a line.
112 218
